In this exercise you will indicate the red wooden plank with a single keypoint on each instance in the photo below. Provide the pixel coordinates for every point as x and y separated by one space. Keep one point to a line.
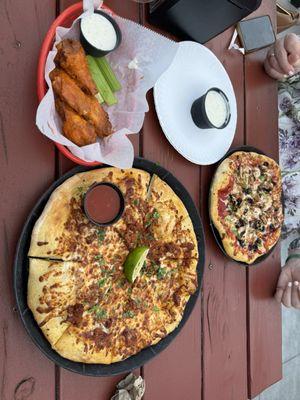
72 386
264 335
175 373
224 288
27 169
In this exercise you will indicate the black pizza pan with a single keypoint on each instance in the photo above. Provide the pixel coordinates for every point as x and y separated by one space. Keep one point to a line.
215 232
21 267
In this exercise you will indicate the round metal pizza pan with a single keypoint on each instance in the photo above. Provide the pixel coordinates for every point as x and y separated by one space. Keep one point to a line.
21 267
214 229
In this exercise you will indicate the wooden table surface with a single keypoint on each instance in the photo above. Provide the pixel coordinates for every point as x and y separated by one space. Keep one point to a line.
230 349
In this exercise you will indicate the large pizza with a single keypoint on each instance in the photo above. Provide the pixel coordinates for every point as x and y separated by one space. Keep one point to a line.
77 290
245 205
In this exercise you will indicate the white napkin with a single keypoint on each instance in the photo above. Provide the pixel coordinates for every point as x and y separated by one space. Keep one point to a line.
139 61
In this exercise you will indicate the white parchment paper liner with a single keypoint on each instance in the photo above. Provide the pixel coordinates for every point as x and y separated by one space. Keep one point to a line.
139 61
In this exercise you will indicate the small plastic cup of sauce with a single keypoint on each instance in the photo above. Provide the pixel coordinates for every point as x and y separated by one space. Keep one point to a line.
99 34
212 110
104 204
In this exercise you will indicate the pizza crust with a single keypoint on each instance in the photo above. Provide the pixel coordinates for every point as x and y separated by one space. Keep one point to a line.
51 223
51 288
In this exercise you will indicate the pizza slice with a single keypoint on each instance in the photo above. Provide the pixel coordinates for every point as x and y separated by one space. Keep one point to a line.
168 225
52 235
51 290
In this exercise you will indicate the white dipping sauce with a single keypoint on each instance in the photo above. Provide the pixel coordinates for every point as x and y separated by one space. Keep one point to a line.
99 32
216 108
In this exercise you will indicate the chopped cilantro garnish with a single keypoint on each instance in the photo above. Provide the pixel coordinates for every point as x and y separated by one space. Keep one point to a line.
161 273
155 214
100 260
128 314
156 309
130 290
150 217
136 202
101 282
93 309
138 301
101 236
101 314
148 222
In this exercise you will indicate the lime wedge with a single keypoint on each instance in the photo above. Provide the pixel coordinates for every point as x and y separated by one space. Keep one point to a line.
134 263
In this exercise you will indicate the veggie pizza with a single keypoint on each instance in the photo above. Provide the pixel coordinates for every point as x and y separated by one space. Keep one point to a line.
246 206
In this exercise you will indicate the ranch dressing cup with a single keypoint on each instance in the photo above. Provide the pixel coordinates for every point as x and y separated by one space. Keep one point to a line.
99 34
212 110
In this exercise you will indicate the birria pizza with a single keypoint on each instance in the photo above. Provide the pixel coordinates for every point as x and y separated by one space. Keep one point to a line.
77 290
245 205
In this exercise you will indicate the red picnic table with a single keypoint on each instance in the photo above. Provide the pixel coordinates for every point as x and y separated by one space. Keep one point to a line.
230 349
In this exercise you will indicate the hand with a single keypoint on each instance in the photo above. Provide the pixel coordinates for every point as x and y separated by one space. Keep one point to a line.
288 287
283 57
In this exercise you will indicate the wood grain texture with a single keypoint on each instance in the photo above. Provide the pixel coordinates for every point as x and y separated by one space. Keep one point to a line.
176 373
71 386
224 287
264 330
27 169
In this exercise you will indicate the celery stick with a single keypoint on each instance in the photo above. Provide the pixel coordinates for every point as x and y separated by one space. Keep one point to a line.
108 73
100 82
99 98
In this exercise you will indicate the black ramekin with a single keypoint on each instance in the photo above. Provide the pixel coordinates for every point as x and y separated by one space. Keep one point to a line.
94 51
122 204
199 115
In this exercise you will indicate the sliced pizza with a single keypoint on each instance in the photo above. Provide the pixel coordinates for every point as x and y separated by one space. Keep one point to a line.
245 205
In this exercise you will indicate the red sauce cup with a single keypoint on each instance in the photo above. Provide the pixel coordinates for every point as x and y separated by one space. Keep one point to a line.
104 207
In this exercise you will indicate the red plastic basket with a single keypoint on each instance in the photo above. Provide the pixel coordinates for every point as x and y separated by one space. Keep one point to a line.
65 19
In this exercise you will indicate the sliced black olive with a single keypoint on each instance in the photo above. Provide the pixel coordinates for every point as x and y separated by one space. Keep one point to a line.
246 210
250 200
258 225
240 223
241 242
272 227
265 164
252 246
247 191
266 189
238 201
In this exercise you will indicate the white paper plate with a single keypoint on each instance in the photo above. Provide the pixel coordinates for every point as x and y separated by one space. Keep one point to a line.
194 70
